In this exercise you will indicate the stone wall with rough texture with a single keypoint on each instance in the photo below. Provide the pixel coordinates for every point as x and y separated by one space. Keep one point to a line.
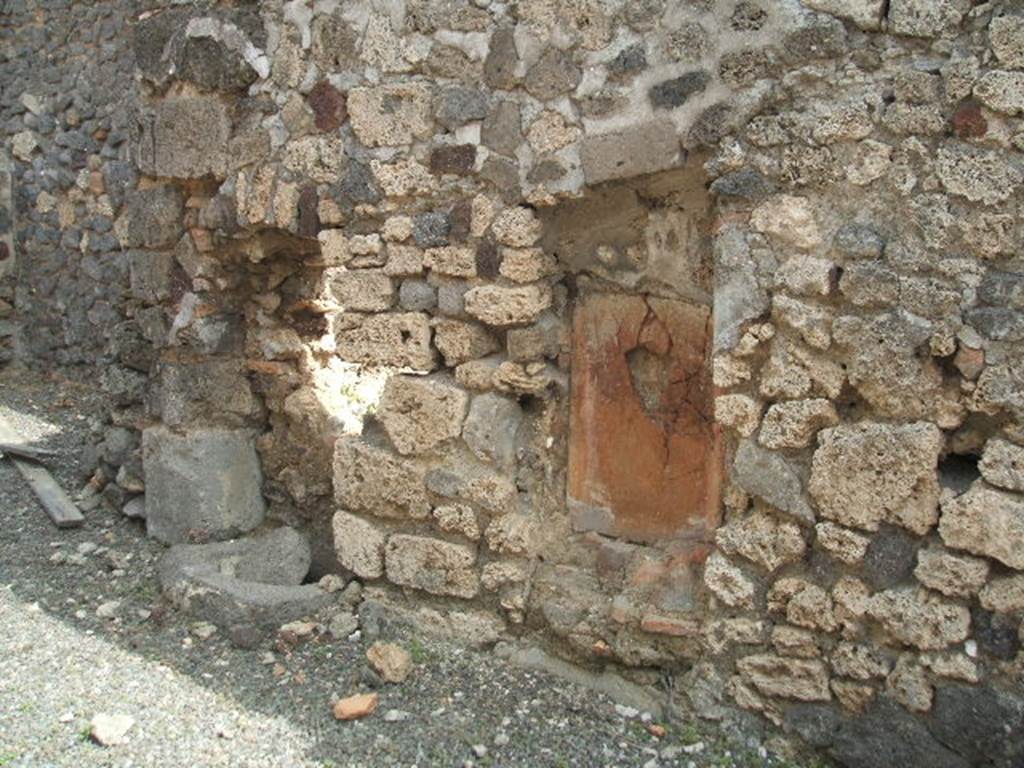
685 336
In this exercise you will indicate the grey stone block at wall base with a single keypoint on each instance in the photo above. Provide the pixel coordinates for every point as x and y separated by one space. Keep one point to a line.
203 483
247 587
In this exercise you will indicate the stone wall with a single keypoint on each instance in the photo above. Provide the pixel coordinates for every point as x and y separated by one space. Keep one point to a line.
685 336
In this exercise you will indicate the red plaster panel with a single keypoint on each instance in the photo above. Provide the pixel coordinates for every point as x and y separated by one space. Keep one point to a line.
644 457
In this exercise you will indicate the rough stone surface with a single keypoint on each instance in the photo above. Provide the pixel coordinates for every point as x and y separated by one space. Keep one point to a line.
770 477
491 428
1002 465
950 574
763 539
499 306
206 482
371 479
400 340
794 424
787 678
185 137
987 522
435 566
866 473
360 545
919 621
420 413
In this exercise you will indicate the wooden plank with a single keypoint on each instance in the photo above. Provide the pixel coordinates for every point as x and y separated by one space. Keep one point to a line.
26 451
55 501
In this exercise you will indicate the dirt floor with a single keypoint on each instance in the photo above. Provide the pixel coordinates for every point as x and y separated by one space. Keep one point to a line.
201 702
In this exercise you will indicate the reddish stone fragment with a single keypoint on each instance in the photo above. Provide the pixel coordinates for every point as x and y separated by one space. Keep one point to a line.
330 108
670 625
969 122
309 216
457 159
644 456
354 707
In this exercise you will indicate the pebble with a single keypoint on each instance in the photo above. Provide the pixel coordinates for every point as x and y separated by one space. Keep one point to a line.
299 628
343 624
396 716
390 661
501 739
110 730
480 750
204 630
86 548
355 707
109 609
627 712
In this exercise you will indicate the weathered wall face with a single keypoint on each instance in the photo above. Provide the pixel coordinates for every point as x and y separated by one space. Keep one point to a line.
685 335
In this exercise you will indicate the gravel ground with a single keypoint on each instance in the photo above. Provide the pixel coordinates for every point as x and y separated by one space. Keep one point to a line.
203 703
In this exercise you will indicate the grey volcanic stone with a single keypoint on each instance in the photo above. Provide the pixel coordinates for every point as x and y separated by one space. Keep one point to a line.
151 218
675 92
184 137
247 587
984 725
768 475
888 736
203 482
890 559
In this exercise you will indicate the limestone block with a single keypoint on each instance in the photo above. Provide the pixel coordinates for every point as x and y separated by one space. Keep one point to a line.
739 412
763 539
643 149
468 481
205 481
1001 91
860 662
727 582
788 218
1002 465
452 260
499 306
951 574
785 677
389 115
866 14
359 290
865 473
359 545
526 265
985 521
458 518
794 424
915 619
460 342
371 479
982 176
843 544
435 566
925 18
419 413
400 340
1006 36
184 137
517 227
1004 595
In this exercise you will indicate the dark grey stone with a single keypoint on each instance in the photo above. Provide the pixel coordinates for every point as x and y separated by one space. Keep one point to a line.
502 128
769 475
984 725
431 229
889 736
248 586
205 482
997 323
996 634
1002 289
859 241
746 184
458 105
554 74
824 38
629 61
500 64
152 218
675 92
891 558
417 296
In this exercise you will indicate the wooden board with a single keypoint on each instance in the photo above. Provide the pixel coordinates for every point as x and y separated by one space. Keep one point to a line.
55 501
